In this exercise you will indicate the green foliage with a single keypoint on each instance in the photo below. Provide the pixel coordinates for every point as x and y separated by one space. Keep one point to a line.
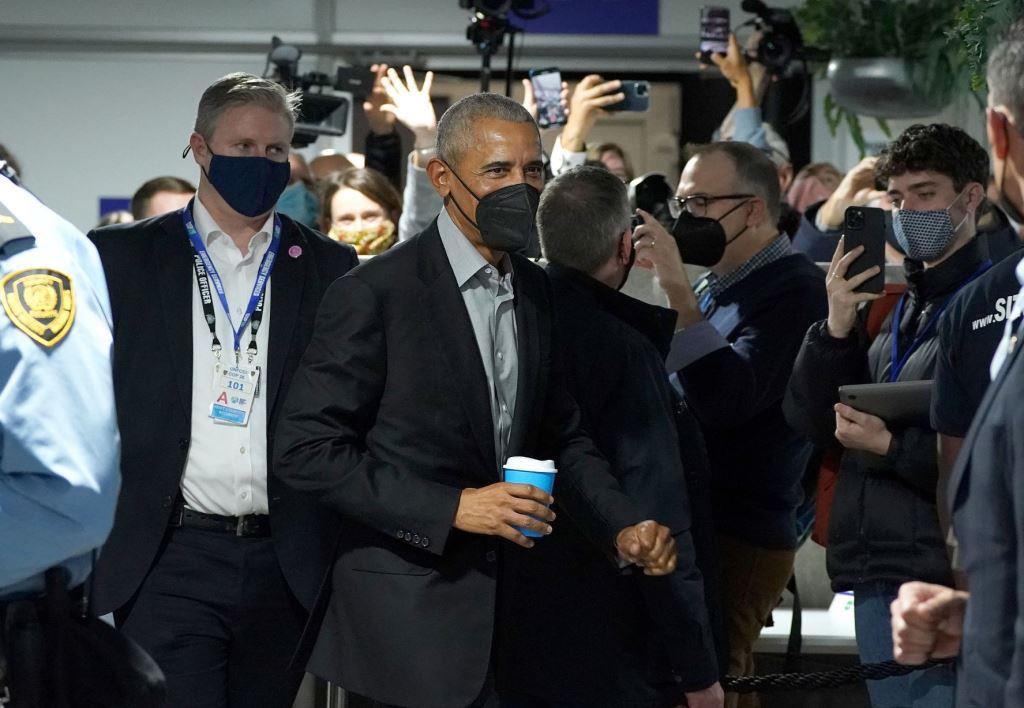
944 42
976 20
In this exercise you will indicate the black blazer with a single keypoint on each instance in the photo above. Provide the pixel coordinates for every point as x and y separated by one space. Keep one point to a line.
149 274
389 419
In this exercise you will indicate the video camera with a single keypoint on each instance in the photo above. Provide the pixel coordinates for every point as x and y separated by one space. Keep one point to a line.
781 42
316 106
651 192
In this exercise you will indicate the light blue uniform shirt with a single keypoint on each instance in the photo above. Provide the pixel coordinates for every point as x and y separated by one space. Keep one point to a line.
59 444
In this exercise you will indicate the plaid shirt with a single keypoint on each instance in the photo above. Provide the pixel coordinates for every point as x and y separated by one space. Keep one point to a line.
712 286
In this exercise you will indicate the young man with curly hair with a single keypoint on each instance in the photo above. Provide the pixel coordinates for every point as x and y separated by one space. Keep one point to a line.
884 528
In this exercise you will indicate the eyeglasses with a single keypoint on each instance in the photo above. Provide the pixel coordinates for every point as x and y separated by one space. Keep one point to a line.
697 204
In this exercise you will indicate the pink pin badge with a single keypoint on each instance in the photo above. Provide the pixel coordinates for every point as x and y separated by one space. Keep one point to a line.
295 251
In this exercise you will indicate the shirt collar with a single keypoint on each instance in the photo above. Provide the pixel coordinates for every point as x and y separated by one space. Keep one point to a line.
465 260
775 250
209 231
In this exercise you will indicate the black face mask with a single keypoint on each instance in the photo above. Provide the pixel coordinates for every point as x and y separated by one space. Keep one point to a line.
506 218
701 239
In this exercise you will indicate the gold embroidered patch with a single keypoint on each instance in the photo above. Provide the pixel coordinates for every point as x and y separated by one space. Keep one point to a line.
39 302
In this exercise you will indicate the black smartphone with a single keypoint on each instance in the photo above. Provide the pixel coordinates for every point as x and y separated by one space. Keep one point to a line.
638 97
547 91
714 32
865 226
356 80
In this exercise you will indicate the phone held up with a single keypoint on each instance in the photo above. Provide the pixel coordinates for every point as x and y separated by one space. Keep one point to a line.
714 32
865 226
638 97
547 91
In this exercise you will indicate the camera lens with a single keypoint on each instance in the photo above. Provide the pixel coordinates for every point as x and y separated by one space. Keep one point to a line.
855 219
641 89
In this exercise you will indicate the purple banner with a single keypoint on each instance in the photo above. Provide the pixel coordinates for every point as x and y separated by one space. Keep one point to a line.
595 17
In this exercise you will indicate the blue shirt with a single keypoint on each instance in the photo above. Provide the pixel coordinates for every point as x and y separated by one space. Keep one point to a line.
59 445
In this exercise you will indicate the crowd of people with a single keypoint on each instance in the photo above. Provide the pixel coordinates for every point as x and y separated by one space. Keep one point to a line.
258 457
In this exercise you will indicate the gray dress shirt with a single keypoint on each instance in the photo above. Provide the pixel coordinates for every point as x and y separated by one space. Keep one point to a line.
489 298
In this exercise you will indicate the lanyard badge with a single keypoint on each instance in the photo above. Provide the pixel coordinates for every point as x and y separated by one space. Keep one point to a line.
235 385
898 361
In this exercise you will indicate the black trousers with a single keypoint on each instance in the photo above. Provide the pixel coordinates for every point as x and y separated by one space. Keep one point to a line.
216 614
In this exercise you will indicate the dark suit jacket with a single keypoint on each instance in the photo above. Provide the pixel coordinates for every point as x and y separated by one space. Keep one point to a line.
986 492
150 275
389 420
608 638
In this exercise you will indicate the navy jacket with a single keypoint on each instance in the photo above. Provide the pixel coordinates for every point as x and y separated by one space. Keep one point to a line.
757 459
969 333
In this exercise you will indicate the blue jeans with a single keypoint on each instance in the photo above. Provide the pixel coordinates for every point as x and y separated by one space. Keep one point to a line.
934 688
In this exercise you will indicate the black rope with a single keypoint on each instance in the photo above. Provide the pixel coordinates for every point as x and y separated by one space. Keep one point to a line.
823 679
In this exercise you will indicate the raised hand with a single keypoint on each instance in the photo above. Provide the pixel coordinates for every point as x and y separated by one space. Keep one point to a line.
842 298
381 122
410 105
587 104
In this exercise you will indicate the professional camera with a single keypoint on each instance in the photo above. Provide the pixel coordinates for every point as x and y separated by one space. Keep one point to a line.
488 26
527 9
316 106
651 192
781 42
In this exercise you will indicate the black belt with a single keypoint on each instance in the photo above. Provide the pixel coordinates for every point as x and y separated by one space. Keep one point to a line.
248 526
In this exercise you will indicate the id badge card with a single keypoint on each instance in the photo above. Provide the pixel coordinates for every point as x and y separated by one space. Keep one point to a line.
235 388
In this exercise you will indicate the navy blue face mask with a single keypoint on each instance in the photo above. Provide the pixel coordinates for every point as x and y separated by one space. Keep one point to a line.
250 185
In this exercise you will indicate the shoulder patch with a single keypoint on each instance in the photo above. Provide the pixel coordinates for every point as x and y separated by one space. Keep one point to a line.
40 302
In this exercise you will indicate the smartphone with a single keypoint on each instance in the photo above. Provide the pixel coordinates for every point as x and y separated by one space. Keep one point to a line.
547 91
865 226
638 97
714 32
356 80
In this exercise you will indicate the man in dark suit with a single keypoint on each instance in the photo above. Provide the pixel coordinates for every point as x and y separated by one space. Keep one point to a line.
428 368
613 639
986 490
213 564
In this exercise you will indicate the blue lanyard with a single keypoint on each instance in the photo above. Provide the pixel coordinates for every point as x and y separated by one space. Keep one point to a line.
896 362
204 268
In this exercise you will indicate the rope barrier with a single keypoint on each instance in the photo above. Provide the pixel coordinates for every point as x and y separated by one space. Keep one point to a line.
823 679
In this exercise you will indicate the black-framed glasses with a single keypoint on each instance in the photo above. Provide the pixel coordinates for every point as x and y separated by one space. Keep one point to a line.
697 204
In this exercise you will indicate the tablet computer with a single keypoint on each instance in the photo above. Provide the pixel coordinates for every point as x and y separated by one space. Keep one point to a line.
901 404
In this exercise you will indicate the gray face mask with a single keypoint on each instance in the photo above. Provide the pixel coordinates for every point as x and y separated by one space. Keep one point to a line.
926 235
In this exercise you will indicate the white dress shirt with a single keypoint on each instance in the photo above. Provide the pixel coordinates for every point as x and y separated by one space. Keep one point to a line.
226 470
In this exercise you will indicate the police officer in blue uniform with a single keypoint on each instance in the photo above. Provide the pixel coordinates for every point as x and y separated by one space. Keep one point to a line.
59 447
986 492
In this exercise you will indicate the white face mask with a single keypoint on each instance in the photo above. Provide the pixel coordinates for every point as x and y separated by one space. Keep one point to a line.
926 235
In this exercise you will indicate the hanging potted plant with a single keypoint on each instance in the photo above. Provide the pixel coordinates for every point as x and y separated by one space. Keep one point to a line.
888 58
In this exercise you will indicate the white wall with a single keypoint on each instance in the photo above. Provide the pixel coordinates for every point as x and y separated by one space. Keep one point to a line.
88 126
